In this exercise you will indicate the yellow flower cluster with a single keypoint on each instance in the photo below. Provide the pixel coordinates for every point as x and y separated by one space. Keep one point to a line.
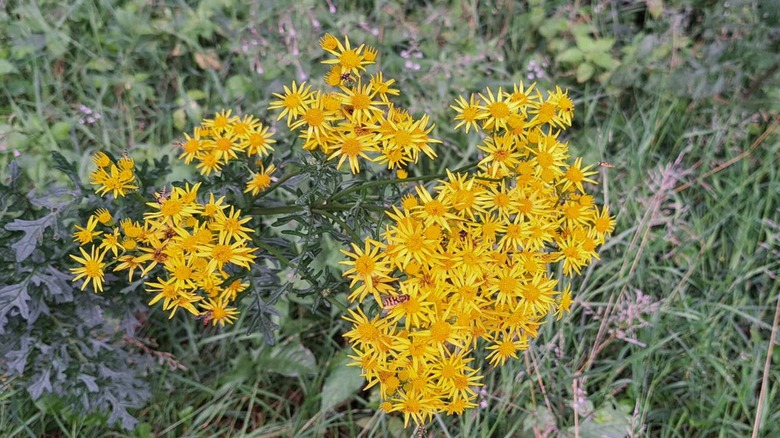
356 120
469 263
221 139
117 178
200 246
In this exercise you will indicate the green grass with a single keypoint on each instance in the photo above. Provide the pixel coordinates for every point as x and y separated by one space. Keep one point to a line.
695 188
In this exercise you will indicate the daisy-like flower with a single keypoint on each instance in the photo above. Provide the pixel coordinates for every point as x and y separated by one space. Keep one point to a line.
218 312
498 108
261 180
192 148
469 112
350 147
92 269
508 346
84 235
219 123
231 225
257 141
576 175
103 216
351 60
101 160
293 103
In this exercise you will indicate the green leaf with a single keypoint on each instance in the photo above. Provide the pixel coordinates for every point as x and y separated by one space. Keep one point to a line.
603 45
61 163
572 55
605 423
100 64
341 384
33 234
584 72
603 60
238 86
61 130
291 360
6 67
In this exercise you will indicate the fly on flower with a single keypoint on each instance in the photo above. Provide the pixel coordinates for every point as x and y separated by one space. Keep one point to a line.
206 317
389 302
163 196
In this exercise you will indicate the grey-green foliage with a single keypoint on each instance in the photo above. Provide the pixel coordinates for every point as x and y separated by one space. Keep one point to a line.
59 343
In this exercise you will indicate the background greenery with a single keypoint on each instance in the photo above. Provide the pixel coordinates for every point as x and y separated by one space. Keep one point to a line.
671 329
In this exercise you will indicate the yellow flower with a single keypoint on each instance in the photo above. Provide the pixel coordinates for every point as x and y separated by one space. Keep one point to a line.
111 242
218 312
91 269
261 180
231 225
220 123
101 160
469 112
84 235
103 216
293 103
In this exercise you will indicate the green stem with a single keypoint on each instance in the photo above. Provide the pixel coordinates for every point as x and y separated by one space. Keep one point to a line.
343 224
282 259
276 185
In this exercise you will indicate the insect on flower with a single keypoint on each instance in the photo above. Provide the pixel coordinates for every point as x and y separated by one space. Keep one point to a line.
389 302
207 317
347 77
163 196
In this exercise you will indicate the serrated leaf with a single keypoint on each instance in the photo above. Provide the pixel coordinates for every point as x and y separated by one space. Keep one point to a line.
90 381
572 55
57 283
16 360
603 45
119 413
14 296
41 383
341 383
603 60
54 198
62 164
584 72
33 234
291 360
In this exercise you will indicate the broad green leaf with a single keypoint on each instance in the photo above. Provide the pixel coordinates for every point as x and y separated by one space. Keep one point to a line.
584 72
291 359
61 130
603 60
572 55
603 45
605 423
6 67
341 384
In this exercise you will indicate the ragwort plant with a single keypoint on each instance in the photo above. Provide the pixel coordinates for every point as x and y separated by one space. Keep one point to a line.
469 263
465 264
